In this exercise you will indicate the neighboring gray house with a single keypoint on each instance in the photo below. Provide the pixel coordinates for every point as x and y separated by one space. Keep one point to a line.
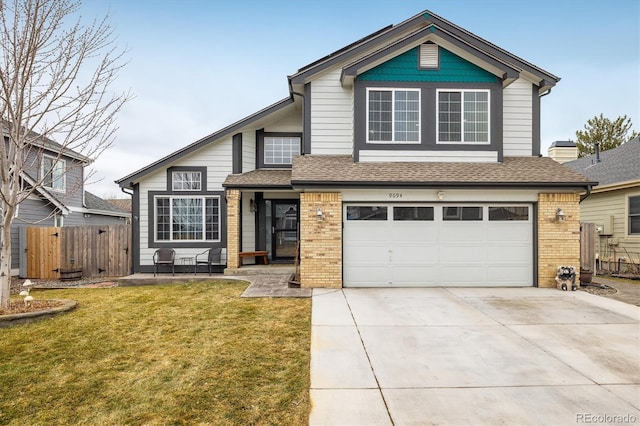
61 201
614 204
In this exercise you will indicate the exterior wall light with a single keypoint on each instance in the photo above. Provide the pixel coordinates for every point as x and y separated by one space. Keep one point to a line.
319 215
253 206
440 195
560 216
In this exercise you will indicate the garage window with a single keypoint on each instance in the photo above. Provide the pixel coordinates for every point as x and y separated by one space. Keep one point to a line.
366 213
462 213
508 213
413 213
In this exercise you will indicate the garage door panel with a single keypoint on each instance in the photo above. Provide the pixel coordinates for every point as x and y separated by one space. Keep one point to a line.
416 276
512 275
424 250
366 275
462 233
511 253
462 275
460 254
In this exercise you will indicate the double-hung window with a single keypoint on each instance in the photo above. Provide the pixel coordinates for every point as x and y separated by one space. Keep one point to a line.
52 171
463 116
393 115
188 218
634 215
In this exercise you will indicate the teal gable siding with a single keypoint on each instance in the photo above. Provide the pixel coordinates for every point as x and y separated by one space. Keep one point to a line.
405 67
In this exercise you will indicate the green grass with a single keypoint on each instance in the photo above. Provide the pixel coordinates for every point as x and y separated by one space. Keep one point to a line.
177 354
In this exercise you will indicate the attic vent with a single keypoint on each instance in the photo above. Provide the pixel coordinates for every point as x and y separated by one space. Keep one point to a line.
429 55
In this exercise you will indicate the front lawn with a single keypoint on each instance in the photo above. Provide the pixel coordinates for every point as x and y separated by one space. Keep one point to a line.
177 354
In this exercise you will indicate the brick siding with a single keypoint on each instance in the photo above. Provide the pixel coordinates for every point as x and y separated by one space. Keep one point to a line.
558 243
321 241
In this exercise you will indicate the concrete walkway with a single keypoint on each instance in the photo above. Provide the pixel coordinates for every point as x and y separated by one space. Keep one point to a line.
523 356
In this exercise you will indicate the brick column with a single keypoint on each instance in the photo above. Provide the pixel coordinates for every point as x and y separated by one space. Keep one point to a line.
558 243
233 228
321 240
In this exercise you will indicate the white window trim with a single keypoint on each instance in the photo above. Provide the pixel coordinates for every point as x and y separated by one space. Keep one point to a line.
173 181
393 110
264 149
57 162
462 91
171 197
626 216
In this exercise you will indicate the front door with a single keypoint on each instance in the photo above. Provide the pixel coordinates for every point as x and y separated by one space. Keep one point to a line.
284 229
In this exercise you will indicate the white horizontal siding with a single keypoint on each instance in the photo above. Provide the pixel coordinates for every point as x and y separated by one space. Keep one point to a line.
431 195
331 116
429 156
215 157
517 128
291 123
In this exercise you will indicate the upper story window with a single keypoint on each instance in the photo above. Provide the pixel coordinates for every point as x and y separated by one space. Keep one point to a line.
279 150
393 115
463 116
186 181
634 215
52 170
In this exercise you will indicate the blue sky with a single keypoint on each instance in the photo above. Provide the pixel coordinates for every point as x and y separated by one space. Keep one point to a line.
197 66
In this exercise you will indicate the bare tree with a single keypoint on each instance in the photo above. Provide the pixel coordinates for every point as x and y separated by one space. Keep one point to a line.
55 76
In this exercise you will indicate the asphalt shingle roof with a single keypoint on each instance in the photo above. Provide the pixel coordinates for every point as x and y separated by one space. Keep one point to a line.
621 164
263 178
94 202
514 171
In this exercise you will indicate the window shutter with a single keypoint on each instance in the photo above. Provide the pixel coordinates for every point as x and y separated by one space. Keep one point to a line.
429 55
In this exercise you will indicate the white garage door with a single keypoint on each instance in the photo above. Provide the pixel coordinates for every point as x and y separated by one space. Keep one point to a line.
400 245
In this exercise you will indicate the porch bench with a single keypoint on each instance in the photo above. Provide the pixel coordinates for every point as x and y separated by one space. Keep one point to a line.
258 253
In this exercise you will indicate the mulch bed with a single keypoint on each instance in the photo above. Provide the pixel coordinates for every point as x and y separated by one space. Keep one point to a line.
19 307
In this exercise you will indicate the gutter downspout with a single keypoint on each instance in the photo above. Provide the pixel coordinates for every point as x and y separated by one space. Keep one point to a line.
585 195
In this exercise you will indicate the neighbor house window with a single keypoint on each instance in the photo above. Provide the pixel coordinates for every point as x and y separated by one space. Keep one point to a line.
463 116
187 218
634 215
52 170
393 115
280 150
186 181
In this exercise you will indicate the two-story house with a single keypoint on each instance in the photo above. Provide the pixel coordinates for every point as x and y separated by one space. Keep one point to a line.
58 174
408 158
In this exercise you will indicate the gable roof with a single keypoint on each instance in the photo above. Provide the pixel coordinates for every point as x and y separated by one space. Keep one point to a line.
426 26
341 170
617 165
45 143
45 194
128 180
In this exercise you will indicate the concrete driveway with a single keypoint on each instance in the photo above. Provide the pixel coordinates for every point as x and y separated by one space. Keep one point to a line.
473 356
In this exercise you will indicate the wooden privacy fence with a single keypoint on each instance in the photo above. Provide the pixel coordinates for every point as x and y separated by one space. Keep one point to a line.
587 246
73 251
